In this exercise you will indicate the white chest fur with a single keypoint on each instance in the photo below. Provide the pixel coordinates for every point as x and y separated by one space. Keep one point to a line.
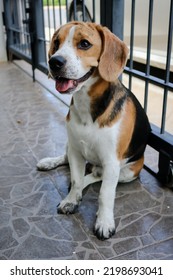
97 145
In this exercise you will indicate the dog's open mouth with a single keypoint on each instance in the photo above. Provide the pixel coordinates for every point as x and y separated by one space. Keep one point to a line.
64 85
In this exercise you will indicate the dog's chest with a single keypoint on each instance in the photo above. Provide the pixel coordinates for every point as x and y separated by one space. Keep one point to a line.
94 143
85 138
97 145
82 132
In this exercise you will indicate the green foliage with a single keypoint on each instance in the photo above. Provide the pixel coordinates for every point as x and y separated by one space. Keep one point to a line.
55 2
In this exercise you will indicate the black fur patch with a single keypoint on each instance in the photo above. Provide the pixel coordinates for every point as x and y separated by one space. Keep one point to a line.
100 104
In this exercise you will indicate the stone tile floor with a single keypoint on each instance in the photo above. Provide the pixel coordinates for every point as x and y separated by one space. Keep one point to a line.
32 127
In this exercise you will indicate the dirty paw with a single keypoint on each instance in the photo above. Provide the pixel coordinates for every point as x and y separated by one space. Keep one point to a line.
67 208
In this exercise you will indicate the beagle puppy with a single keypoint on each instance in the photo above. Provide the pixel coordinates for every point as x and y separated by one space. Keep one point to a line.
106 124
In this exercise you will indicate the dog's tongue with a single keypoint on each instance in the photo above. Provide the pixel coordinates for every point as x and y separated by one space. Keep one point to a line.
63 85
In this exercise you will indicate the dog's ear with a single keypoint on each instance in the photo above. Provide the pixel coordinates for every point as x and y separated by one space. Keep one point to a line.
113 56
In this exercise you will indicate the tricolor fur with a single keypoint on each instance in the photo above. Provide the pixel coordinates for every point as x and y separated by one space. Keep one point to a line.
106 125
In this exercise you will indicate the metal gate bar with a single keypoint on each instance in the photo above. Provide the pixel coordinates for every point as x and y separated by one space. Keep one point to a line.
168 63
132 41
147 72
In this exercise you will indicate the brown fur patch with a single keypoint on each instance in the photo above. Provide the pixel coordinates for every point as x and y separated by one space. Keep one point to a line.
127 128
68 116
59 37
137 166
98 88
113 57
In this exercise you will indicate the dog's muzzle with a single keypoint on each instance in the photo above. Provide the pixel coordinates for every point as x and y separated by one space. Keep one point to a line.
65 84
56 63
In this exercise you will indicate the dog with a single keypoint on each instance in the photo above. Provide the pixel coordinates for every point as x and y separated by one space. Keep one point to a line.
106 124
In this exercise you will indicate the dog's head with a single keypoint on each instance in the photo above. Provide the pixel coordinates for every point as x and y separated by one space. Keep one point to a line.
77 49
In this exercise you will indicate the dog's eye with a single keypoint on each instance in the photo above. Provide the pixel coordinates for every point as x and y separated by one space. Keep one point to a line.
84 45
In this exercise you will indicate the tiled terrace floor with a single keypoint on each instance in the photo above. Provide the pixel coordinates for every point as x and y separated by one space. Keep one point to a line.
32 127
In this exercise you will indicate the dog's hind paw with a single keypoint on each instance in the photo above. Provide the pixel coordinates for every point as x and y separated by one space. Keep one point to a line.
97 171
51 163
47 164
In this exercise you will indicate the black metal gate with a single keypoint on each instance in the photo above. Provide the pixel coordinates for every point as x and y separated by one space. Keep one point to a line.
24 23
30 25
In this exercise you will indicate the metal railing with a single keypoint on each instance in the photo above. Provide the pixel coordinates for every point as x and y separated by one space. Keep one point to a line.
18 33
30 25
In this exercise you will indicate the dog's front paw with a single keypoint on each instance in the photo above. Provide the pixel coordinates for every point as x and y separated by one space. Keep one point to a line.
104 229
67 207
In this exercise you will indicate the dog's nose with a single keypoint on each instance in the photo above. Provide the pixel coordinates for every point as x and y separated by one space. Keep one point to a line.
57 62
